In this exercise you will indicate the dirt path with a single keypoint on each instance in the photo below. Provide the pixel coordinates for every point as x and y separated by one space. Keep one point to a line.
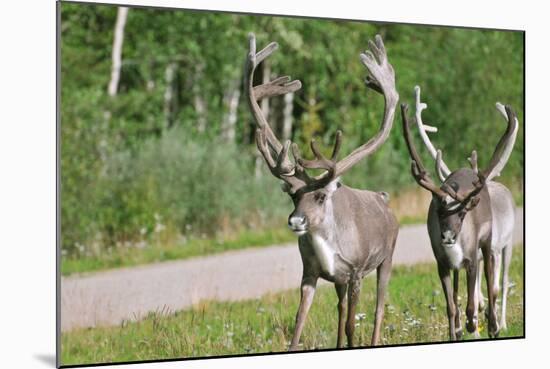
108 298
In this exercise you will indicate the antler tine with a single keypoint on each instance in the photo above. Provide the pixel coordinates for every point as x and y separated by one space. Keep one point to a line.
321 162
280 168
261 142
381 78
438 166
504 147
417 169
424 129
337 145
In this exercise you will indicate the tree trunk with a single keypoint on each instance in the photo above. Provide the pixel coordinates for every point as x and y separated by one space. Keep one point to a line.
169 94
287 116
118 41
198 101
231 102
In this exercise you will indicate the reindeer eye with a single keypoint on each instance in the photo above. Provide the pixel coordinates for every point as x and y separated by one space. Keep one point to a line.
320 198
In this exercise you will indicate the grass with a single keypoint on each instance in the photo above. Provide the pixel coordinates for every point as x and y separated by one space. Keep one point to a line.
415 312
163 251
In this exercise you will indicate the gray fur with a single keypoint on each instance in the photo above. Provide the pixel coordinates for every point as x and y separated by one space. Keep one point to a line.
361 231
486 233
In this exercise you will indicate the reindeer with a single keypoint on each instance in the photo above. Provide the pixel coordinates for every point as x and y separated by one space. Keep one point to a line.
470 216
343 233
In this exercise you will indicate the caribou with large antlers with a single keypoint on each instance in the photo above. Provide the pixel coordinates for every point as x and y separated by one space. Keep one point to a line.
344 233
470 216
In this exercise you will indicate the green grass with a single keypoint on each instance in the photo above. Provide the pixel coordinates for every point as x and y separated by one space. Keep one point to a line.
163 251
415 312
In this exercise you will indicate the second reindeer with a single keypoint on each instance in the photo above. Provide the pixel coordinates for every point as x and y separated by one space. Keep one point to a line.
470 217
344 233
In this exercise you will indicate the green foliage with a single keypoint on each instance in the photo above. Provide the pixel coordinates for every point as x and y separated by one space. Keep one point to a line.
173 184
135 160
415 312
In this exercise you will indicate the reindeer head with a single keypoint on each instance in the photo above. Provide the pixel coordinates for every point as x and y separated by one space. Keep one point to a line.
312 195
464 188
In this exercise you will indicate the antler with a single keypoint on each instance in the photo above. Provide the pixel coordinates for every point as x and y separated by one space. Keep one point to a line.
421 176
500 156
381 78
417 168
280 165
498 160
504 147
442 169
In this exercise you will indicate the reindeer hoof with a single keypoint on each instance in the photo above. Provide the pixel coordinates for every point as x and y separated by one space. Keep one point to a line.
458 333
494 330
471 325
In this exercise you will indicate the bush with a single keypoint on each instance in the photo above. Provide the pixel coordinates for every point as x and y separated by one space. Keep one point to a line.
192 187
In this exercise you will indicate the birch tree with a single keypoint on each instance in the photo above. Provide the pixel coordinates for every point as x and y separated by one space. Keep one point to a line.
118 41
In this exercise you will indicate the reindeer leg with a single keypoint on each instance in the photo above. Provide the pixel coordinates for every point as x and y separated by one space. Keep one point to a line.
383 274
480 297
341 290
489 265
496 277
477 299
458 324
445 277
354 288
307 292
472 305
507 257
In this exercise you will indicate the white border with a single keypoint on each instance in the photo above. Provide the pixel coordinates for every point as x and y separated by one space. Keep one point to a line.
27 184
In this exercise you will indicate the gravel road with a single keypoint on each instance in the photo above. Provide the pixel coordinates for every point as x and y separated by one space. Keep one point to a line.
107 298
